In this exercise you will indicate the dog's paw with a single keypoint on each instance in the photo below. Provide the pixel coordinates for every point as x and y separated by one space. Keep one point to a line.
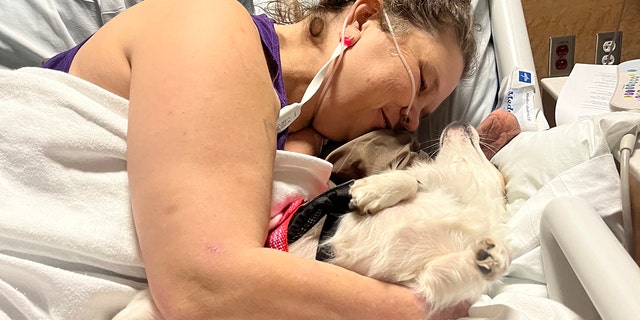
375 193
367 196
492 258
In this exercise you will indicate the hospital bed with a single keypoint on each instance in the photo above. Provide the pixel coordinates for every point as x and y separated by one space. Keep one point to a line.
562 186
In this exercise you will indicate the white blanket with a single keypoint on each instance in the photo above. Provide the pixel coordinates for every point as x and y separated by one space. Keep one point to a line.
67 245
68 248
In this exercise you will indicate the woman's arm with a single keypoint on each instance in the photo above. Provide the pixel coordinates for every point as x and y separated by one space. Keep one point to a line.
307 141
201 146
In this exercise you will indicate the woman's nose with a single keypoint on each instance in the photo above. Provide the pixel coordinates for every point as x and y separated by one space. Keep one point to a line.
411 119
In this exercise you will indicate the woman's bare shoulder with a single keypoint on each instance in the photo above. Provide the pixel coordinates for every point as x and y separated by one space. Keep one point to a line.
200 21
182 34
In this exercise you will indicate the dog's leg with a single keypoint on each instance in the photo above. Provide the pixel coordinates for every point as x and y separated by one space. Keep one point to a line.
463 275
492 258
374 193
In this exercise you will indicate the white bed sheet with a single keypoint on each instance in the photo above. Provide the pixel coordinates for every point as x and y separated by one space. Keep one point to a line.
570 160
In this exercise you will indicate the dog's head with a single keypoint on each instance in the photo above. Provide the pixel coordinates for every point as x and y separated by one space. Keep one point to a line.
458 139
465 167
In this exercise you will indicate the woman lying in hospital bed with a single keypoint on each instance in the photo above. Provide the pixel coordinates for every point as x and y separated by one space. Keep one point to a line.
83 142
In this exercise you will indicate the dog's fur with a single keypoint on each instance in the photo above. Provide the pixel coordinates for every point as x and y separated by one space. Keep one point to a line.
436 227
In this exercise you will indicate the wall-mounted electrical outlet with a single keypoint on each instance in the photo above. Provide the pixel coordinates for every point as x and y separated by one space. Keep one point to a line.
608 47
561 55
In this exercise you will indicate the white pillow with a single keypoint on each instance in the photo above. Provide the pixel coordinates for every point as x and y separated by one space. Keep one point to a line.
33 30
569 160
531 159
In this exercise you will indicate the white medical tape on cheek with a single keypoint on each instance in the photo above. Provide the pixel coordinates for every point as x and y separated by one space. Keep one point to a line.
291 112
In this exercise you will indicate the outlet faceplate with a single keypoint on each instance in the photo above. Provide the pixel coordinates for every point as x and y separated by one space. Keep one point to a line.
561 55
608 47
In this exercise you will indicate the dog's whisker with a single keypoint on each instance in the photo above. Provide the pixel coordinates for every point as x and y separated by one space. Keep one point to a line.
430 147
486 136
489 146
430 142
431 152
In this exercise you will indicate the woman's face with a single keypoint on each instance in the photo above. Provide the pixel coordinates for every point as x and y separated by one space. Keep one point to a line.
372 89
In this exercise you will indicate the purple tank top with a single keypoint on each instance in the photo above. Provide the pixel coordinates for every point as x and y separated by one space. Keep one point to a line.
62 61
270 46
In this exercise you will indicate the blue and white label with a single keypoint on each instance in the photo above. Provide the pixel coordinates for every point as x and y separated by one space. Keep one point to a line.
517 95
524 76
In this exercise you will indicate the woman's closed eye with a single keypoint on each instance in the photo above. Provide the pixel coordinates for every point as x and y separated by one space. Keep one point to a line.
423 84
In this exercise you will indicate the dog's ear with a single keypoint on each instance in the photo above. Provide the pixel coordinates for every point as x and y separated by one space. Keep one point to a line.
372 153
496 130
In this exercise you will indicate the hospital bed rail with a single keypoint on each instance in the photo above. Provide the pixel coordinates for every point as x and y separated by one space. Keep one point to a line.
586 268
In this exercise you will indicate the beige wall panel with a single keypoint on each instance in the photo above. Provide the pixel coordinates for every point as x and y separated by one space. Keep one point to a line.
584 19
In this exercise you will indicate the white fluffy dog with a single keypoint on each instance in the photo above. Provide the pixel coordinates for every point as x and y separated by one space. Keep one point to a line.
436 227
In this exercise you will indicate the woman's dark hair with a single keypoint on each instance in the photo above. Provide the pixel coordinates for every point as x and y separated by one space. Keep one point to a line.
434 16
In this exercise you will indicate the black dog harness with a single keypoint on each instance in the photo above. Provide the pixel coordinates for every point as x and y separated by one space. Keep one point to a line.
331 204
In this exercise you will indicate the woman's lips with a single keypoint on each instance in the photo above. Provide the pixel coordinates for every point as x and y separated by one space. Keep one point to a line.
387 122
